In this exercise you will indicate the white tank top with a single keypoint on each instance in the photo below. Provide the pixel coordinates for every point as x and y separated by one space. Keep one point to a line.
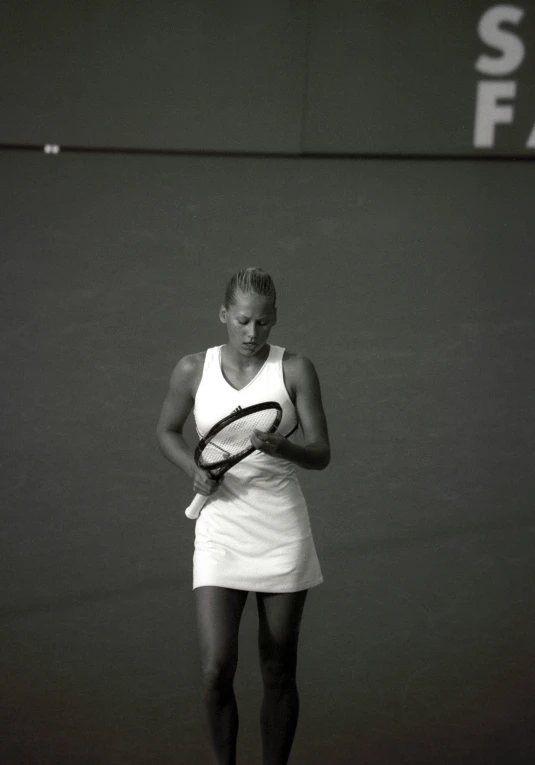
216 398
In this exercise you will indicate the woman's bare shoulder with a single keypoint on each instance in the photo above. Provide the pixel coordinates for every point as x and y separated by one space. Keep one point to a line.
296 363
192 361
298 370
188 371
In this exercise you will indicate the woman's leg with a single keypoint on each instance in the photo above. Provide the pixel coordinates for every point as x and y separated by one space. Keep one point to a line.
219 612
279 622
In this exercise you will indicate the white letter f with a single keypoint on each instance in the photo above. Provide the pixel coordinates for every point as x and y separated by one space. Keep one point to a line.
488 111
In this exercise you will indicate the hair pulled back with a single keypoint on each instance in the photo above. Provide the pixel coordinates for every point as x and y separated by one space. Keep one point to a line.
250 281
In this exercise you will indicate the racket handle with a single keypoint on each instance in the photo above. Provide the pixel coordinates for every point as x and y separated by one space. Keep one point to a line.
196 506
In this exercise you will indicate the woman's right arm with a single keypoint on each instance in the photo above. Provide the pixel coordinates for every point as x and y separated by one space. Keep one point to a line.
175 411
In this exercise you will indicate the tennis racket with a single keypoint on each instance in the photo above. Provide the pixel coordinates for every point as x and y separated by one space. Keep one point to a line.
229 441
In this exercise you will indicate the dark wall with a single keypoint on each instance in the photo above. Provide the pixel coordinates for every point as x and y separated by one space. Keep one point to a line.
381 76
400 77
194 74
410 285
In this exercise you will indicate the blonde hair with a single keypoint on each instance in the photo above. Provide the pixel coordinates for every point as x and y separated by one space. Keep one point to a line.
250 280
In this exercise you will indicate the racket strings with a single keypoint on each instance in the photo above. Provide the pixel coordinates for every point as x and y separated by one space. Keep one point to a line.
235 437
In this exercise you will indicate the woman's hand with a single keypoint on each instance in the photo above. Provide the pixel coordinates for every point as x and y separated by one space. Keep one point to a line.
203 483
269 443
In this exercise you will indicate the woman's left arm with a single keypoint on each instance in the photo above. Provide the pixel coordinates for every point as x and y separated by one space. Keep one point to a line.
315 453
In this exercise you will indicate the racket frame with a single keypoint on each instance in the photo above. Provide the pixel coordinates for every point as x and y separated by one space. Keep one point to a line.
217 469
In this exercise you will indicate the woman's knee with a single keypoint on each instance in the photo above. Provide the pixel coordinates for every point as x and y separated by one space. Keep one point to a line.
218 675
278 672
219 613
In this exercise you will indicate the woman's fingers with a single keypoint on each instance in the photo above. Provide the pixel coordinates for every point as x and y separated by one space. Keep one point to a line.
266 442
203 483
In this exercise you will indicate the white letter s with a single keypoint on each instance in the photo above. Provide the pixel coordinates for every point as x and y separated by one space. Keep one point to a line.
510 45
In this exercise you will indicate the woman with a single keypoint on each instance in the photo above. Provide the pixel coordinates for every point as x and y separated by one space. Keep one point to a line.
253 534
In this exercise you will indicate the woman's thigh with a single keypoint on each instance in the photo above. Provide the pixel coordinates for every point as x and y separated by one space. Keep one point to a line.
219 612
279 622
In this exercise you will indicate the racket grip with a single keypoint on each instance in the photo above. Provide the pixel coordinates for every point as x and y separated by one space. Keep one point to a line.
196 506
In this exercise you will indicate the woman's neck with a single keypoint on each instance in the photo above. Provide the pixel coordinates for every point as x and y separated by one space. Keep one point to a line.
243 363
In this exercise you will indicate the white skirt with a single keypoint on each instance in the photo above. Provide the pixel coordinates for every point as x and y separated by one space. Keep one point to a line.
254 532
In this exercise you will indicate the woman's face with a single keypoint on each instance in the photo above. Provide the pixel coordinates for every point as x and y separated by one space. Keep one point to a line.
249 321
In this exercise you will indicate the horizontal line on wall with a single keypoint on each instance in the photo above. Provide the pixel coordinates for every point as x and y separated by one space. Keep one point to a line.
483 156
